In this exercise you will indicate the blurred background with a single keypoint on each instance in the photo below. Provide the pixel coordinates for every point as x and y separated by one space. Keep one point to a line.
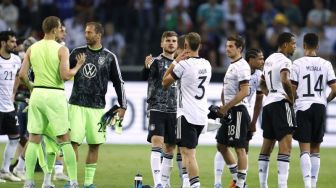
134 27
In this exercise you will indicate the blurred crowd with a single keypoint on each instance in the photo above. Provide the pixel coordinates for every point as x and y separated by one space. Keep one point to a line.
133 27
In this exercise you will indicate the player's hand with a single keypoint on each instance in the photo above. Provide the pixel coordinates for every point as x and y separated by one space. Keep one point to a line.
148 61
121 112
222 111
252 127
80 58
289 99
183 55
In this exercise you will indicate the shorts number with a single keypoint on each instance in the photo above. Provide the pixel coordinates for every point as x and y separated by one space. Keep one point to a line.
231 130
102 128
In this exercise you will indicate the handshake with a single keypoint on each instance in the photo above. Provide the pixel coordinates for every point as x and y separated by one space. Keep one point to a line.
111 118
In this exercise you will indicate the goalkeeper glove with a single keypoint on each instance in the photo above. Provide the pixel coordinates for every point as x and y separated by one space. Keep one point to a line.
213 114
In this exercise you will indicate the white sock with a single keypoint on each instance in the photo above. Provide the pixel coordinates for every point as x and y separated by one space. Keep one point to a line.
241 178
315 168
233 170
47 179
58 167
306 168
21 164
179 165
219 164
9 153
155 161
263 163
166 168
283 170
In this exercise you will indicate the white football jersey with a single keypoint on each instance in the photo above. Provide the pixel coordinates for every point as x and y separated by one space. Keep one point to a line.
8 70
311 75
273 66
237 73
254 86
193 77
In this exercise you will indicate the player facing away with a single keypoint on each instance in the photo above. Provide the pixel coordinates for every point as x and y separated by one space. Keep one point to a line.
87 100
162 111
278 121
255 59
48 105
310 77
9 67
233 132
193 75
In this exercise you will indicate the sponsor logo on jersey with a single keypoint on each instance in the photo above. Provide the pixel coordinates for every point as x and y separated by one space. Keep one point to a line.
90 70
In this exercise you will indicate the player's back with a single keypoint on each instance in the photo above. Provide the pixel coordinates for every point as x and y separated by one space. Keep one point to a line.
274 65
192 95
311 75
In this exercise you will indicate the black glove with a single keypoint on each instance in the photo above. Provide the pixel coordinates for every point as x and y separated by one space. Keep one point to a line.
213 114
108 116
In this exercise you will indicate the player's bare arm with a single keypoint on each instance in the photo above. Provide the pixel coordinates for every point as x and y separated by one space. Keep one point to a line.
243 92
332 94
23 74
16 85
287 85
256 112
65 71
263 86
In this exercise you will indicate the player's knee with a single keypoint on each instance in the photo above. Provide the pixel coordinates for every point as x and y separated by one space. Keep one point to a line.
221 148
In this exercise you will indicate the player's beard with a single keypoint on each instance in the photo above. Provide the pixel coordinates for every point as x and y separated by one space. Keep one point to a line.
168 51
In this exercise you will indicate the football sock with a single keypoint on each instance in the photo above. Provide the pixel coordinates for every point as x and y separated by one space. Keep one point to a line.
58 167
42 159
283 170
241 175
21 163
179 165
195 182
306 168
51 158
90 170
234 171
9 153
70 160
31 159
155 161
315 168
219 164
263 163
166 168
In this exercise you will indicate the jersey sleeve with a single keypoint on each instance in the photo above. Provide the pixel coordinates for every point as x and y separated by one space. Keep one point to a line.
178 70
244 74
285 65
72 58
294 75
118 83
331 79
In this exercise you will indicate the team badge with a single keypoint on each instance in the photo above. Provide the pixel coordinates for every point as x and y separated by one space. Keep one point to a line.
101 60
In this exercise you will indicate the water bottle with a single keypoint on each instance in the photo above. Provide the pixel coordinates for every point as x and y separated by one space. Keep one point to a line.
138 181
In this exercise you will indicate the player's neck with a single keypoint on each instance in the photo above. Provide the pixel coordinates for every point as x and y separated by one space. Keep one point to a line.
236 58
193 53
48 36
4 54
168 55
311 53
96 46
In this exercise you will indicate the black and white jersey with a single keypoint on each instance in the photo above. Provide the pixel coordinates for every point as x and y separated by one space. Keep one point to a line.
8 71
238 72
274 65
193 77
254 87
311 75
90 82
159 99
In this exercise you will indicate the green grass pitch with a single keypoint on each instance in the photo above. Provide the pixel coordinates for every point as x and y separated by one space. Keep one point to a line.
119 163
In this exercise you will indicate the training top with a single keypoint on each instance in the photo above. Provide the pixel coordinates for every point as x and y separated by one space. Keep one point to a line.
159 99
91 81
45 62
